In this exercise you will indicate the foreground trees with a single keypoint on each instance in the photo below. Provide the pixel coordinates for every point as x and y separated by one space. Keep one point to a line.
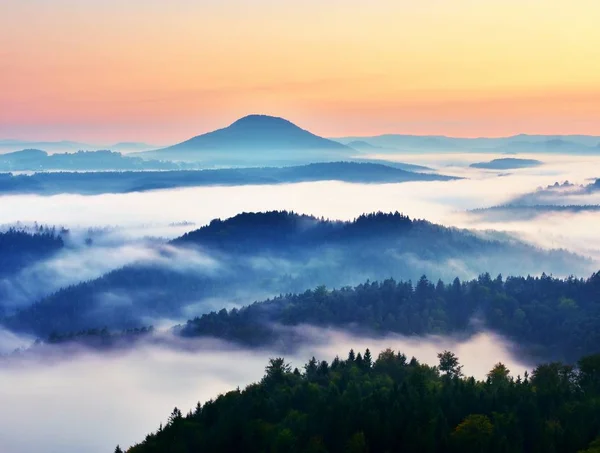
394 405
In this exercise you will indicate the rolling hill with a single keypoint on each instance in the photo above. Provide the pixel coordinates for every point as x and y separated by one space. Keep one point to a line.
89 183
257 255
507 163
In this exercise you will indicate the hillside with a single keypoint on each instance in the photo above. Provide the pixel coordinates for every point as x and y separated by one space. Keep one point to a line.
391 403
545 317
507 163
565 144
38 160
18 248
254 138
253 256
66 146
139 181
564 194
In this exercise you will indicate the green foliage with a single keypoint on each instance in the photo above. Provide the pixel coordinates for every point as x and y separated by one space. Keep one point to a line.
449 364
549 318
473 434
594 447
393 405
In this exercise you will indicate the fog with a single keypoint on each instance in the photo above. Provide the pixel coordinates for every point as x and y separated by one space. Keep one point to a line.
91 402
149 213
79 262
98 401
574 231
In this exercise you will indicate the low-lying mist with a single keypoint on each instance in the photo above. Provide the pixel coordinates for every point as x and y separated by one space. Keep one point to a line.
150 213
98 401
93 401
89 254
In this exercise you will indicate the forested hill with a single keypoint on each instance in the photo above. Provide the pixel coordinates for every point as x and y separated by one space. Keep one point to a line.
254 256
139 181
277 229
546 317
19 247
393 404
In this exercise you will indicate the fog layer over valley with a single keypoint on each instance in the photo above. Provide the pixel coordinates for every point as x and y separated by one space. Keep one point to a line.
437 201
106 399
280 252
159 257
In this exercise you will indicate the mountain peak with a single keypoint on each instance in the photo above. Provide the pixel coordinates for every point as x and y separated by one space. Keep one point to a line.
257 120
261 138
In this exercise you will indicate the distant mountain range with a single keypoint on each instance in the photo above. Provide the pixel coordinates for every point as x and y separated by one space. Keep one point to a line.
254 138
38 160
259 140
574 144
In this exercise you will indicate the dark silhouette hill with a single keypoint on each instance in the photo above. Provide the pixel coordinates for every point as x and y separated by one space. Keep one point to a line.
139 181
18 248
256 255
255 137
390 403
507 163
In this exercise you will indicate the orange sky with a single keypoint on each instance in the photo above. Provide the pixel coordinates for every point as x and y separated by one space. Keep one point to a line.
156 71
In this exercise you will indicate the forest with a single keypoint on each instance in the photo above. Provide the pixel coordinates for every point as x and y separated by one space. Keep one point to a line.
48 183
507 163
19 247
547 317
391 403
254 256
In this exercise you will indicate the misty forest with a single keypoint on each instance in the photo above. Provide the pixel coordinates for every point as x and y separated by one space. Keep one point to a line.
261 288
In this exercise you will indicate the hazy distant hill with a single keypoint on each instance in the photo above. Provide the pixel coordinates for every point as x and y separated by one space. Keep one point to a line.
551 145
362 145
67 146
20 247
254 138
507 163
564 194
512 212
138 181
574 144
38 160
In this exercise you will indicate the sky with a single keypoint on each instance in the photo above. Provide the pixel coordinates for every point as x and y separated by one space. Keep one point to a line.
148 70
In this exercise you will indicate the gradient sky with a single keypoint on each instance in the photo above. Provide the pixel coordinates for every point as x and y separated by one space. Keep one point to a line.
157 71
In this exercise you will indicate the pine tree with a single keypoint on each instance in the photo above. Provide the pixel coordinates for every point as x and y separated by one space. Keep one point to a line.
351 356
367 359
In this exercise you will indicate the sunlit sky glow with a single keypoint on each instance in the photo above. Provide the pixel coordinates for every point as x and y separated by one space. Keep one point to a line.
156 71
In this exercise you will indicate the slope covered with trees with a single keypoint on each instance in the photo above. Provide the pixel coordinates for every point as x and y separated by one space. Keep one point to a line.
547 317
394 404
19 247
255 256
139 181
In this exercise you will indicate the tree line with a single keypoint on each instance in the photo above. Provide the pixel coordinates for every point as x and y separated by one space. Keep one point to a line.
391 403
550 318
